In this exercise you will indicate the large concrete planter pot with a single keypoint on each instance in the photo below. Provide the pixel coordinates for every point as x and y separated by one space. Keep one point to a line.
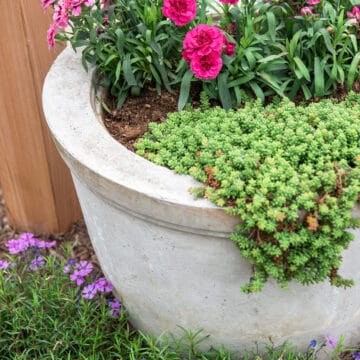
169 256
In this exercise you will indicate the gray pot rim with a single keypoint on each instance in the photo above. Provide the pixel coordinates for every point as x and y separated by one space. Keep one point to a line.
85 144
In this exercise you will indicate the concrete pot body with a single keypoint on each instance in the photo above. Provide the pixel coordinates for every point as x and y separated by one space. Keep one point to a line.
169 256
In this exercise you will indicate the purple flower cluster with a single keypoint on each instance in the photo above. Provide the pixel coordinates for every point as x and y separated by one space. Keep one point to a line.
81 270
100 285
6 264
331 342
115 307
26 241
78 273
36 263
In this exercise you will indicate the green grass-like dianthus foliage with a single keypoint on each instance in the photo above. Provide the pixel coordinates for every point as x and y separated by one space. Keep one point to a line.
291 173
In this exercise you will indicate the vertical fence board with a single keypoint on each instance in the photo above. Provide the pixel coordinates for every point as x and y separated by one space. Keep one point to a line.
37 187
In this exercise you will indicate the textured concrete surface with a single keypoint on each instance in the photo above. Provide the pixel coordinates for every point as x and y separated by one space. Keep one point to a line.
168 255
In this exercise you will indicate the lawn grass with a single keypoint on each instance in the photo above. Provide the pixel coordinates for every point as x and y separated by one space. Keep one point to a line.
44 315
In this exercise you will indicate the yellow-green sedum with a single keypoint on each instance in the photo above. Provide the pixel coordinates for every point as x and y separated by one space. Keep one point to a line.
291 173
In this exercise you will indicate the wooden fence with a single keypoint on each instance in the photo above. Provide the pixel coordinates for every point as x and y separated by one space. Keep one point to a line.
37 186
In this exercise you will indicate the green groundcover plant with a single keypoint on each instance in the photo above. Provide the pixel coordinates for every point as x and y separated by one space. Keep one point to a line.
56 307
291 173
233 48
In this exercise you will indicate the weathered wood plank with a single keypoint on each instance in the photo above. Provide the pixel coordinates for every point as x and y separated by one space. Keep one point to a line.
37 186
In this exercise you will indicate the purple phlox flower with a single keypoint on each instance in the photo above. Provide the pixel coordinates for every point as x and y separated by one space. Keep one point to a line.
50 244
41 244
114 304
356 355
36 263
25 241
115 307
67 269
331 342
28 238
89 291
21 244
114 312
103 285
313 343
5 264
70 263
16 246
78 277
84 268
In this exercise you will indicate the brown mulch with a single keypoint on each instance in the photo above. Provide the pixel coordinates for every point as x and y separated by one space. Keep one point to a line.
77 236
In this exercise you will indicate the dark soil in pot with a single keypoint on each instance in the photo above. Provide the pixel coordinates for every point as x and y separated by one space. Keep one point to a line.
129 123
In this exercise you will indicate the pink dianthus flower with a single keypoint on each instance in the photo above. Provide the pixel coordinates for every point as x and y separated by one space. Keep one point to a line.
89 3
46 3
313 2
105 4
203 40
207 66
232 2
230 48
354 14
75 7
306 10
61 16
181 12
